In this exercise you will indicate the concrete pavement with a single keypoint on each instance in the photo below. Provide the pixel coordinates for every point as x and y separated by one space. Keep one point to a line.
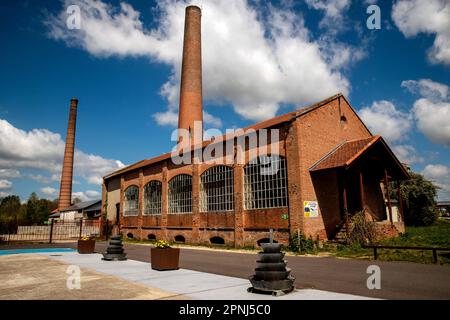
186 283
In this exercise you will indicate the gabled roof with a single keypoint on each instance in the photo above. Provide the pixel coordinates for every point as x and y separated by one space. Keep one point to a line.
344 154
348 152
285 118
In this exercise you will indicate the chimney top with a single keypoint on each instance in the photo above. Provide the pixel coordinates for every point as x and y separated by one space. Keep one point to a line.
193 7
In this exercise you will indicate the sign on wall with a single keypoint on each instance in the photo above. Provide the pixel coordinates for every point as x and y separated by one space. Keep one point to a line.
311 209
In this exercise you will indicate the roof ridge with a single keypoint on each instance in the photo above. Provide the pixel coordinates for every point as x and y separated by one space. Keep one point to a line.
287 117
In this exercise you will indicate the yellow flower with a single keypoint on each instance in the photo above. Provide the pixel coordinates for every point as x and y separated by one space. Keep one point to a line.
162 244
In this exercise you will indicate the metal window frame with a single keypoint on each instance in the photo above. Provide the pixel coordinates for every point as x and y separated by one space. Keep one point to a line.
180 195
152 198
131 205
217 189
265 191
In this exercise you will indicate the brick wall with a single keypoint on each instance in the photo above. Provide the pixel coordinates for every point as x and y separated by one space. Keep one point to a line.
319 132
304 141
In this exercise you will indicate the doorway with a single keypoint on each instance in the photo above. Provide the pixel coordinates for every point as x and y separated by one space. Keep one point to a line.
117 213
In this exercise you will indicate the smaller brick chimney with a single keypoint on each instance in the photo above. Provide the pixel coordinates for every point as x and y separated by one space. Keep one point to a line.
65 190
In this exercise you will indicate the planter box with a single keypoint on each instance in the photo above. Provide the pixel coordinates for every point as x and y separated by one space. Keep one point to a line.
86 247
165 259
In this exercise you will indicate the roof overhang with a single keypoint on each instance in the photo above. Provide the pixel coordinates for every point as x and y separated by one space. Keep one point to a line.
347 154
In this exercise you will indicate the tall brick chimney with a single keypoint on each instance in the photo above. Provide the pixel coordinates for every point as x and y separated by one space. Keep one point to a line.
65 190
191 109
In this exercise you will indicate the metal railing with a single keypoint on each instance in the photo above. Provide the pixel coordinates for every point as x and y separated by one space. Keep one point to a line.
434 249
55 231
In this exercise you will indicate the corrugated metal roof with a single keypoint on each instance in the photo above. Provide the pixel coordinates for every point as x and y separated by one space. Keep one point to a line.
83 205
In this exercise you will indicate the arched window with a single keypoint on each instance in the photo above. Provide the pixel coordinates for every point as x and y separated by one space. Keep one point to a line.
216 189
131 207
265 183
180 194
180 238
152 198
217 240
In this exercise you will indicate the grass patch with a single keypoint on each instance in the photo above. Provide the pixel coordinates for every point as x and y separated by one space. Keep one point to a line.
436 235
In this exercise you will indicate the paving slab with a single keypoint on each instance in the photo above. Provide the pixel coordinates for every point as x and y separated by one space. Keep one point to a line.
40 277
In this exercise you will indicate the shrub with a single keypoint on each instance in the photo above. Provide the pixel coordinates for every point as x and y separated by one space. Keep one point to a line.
301 244
420 200
361 231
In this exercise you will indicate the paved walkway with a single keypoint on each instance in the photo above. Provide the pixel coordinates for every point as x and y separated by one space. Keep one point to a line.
186 283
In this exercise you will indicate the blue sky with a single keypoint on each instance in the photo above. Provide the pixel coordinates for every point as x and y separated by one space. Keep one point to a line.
260 59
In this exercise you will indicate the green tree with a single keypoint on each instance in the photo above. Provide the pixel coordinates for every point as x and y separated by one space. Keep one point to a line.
9 211
43 209
9 207
32 204
419 196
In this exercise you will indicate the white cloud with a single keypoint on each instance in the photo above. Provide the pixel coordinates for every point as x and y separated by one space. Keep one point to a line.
433 120
5 184
212 120
427 88
251 62
407 154
86 196
413 17
333 11
92 194
4 194
436 171
383 118
440 175
43 149
40 178
432 110
38 148
49 191
169 118
10 173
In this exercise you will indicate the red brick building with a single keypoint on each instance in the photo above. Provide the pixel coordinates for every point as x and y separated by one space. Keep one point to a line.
327 163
